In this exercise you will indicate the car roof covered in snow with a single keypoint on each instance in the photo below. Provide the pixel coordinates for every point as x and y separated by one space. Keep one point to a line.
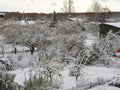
115 24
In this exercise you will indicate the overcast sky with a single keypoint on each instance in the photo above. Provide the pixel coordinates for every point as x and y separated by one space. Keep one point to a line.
48 6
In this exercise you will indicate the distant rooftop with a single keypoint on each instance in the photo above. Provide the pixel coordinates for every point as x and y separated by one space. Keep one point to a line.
115 24
1 13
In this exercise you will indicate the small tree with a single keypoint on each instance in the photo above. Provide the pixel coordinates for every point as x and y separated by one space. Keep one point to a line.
68 6
97 8
46 78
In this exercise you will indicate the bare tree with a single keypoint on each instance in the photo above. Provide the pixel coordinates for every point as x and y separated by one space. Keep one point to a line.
106 9
97 7
68 6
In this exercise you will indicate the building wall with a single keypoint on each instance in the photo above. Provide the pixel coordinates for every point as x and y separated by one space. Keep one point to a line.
104 29
2 15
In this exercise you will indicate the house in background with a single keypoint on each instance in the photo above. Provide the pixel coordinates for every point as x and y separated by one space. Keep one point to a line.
106 27
2 15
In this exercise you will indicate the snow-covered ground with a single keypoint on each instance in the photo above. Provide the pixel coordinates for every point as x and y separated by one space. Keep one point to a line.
24 74
10 48
91 39
20 75
68 82
97 77
104 87
23 23
90 74
93 73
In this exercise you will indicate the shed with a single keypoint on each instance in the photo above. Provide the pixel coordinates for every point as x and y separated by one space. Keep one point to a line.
106 27
2 15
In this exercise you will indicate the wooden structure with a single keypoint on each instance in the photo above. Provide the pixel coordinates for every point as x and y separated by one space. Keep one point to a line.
106 27
2 15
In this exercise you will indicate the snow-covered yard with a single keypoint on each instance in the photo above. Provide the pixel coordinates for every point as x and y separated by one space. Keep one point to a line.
54 54
68 82
104 87
92 73
96 76
24 74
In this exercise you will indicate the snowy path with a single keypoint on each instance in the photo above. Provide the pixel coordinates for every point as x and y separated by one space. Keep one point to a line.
68 82
91 75
98 77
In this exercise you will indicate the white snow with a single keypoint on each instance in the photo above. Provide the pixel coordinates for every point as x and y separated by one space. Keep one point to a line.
24 74
2 13
116 24
88 42
22 22
10 48
104 87
20 75
93 73
91 39
75 19
68 82
90 74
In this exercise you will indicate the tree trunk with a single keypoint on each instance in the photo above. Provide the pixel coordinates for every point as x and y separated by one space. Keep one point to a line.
15 50
32 50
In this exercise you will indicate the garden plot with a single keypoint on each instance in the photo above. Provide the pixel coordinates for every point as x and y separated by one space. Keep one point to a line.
24 74
68 82
104 87
21 59
92 76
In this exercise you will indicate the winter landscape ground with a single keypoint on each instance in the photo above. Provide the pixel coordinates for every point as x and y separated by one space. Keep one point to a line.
69 56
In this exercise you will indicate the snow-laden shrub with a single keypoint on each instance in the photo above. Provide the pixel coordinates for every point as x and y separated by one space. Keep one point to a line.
94 54
69 27
5 66
84 84
45 78
108 48
39 83
110 44
9 63
84 55
45 81
6 82
109 61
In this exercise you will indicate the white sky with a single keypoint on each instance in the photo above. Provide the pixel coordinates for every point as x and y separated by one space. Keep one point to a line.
48 6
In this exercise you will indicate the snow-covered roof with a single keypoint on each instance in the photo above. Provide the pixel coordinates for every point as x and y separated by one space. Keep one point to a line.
2 13
115 24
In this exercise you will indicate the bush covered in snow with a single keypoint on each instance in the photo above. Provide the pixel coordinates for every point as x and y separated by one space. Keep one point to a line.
7 82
